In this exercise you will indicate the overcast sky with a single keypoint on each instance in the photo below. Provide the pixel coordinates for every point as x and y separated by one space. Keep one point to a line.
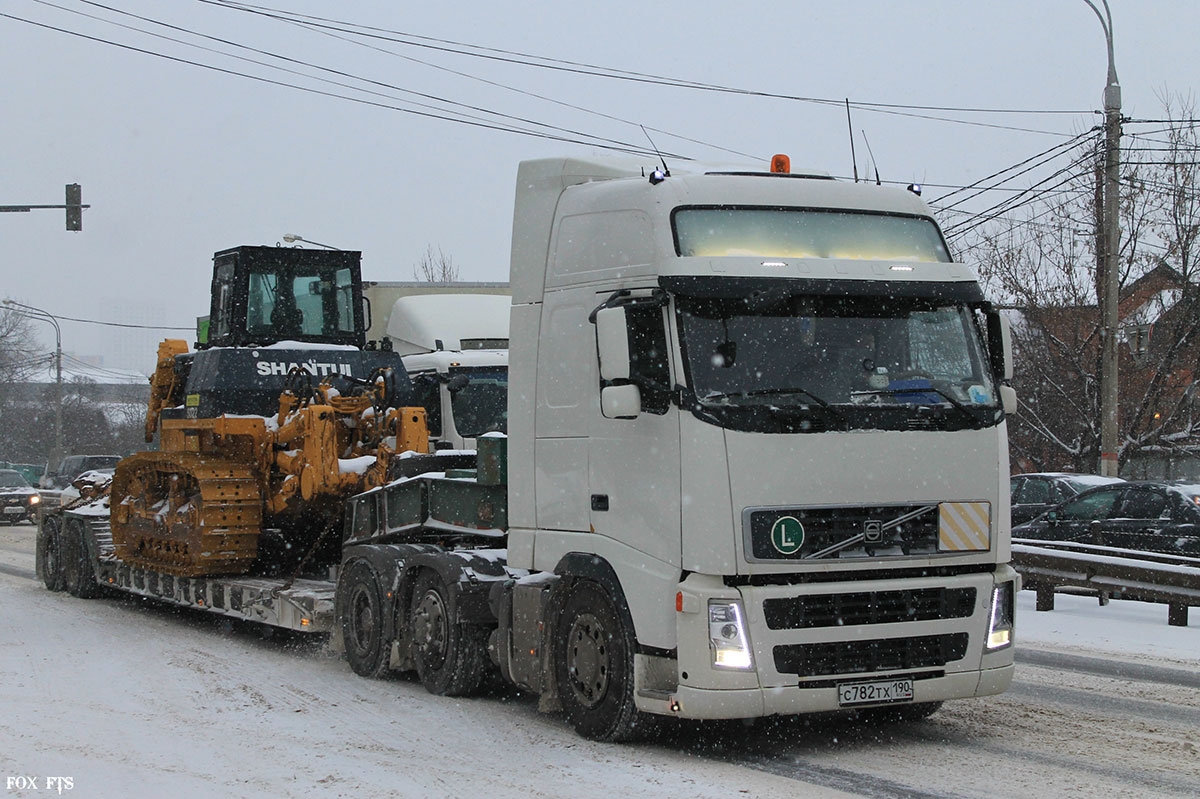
179 161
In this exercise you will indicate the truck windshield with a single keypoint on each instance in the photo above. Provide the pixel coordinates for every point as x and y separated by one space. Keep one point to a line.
813 363
481 406
806 233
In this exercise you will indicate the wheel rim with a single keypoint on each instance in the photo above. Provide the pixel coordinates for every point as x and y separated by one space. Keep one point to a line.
588 665
362 619
430 629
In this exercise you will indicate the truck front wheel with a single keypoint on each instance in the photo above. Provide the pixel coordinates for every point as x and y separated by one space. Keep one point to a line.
50 543
361 607
450 656
593 663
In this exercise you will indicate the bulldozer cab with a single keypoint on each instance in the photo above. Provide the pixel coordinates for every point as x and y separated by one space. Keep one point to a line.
265 295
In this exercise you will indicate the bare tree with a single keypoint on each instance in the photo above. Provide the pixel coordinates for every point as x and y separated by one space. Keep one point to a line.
436 267
1043 266
18 346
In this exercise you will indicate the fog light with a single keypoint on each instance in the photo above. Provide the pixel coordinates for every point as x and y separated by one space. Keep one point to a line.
1000 626
727 636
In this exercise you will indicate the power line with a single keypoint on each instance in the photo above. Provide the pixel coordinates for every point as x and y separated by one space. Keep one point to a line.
322 93
514 89
1048 154
317 67
523 59
117 324
1011 203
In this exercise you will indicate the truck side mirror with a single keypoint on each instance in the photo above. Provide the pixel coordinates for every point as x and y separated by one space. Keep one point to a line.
621 402
1008 399
612 343
1000 344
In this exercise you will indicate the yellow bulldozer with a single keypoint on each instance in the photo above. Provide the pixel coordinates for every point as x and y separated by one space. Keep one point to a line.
265 429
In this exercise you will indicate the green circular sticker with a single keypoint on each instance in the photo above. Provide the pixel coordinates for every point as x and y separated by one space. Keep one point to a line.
787 535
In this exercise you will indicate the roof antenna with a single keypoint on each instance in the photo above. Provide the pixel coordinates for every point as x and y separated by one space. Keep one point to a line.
851 129
874 165
656 177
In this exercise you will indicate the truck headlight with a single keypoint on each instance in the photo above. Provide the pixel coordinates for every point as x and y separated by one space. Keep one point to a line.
727 635
1000 626
34 499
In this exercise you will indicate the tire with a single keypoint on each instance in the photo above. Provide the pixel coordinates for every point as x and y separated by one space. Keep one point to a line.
450 657
78 577
50 554
360 602
593 666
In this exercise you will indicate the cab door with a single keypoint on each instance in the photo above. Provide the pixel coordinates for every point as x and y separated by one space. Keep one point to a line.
633 459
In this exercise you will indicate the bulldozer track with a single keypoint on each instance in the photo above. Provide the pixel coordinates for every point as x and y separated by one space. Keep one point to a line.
186 514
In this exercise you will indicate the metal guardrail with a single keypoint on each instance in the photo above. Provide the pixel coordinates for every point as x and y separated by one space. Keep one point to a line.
1129 574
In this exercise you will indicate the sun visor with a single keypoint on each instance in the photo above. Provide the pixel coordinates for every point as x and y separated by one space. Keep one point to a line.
718 286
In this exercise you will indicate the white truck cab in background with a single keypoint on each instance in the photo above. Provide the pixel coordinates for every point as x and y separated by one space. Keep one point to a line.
455 349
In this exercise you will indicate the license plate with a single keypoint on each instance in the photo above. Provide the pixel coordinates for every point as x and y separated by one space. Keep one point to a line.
862 693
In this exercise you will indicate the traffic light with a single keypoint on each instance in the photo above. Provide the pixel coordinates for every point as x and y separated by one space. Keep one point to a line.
74 207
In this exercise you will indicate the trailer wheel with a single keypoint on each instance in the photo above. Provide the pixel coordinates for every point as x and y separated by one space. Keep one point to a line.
50 544
593 664
78 577
361 606
450 656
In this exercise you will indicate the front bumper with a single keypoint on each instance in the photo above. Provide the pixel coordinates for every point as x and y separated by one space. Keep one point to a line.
930 629
704 703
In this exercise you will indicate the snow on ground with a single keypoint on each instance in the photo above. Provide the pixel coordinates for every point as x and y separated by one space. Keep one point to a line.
1132 630
129 700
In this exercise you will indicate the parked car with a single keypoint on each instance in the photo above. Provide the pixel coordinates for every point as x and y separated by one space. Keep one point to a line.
74 465
1147 516
1034 494
18 499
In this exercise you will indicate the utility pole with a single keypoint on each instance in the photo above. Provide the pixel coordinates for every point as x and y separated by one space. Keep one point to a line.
1110 256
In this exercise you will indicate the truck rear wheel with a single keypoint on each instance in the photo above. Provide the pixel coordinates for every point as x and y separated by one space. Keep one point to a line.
363 625
593 664
50 554
450 656
78 577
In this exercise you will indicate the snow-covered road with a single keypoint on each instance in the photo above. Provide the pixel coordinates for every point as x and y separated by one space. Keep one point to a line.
129 699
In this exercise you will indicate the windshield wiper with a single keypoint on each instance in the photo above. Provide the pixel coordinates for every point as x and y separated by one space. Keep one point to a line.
766 392
891 392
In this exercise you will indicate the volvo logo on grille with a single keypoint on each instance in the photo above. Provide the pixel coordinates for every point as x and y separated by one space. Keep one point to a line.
872 531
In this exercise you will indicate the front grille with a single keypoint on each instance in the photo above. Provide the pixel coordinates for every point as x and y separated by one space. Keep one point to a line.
840 533
868 607
883 654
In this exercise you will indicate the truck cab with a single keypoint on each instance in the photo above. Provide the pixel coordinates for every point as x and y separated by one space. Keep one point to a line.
455 349
765 413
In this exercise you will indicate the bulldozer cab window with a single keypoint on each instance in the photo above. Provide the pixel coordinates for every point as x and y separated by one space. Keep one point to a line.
289 303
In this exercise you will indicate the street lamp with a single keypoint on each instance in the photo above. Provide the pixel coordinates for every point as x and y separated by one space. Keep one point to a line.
1111 238
291 237
46 316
